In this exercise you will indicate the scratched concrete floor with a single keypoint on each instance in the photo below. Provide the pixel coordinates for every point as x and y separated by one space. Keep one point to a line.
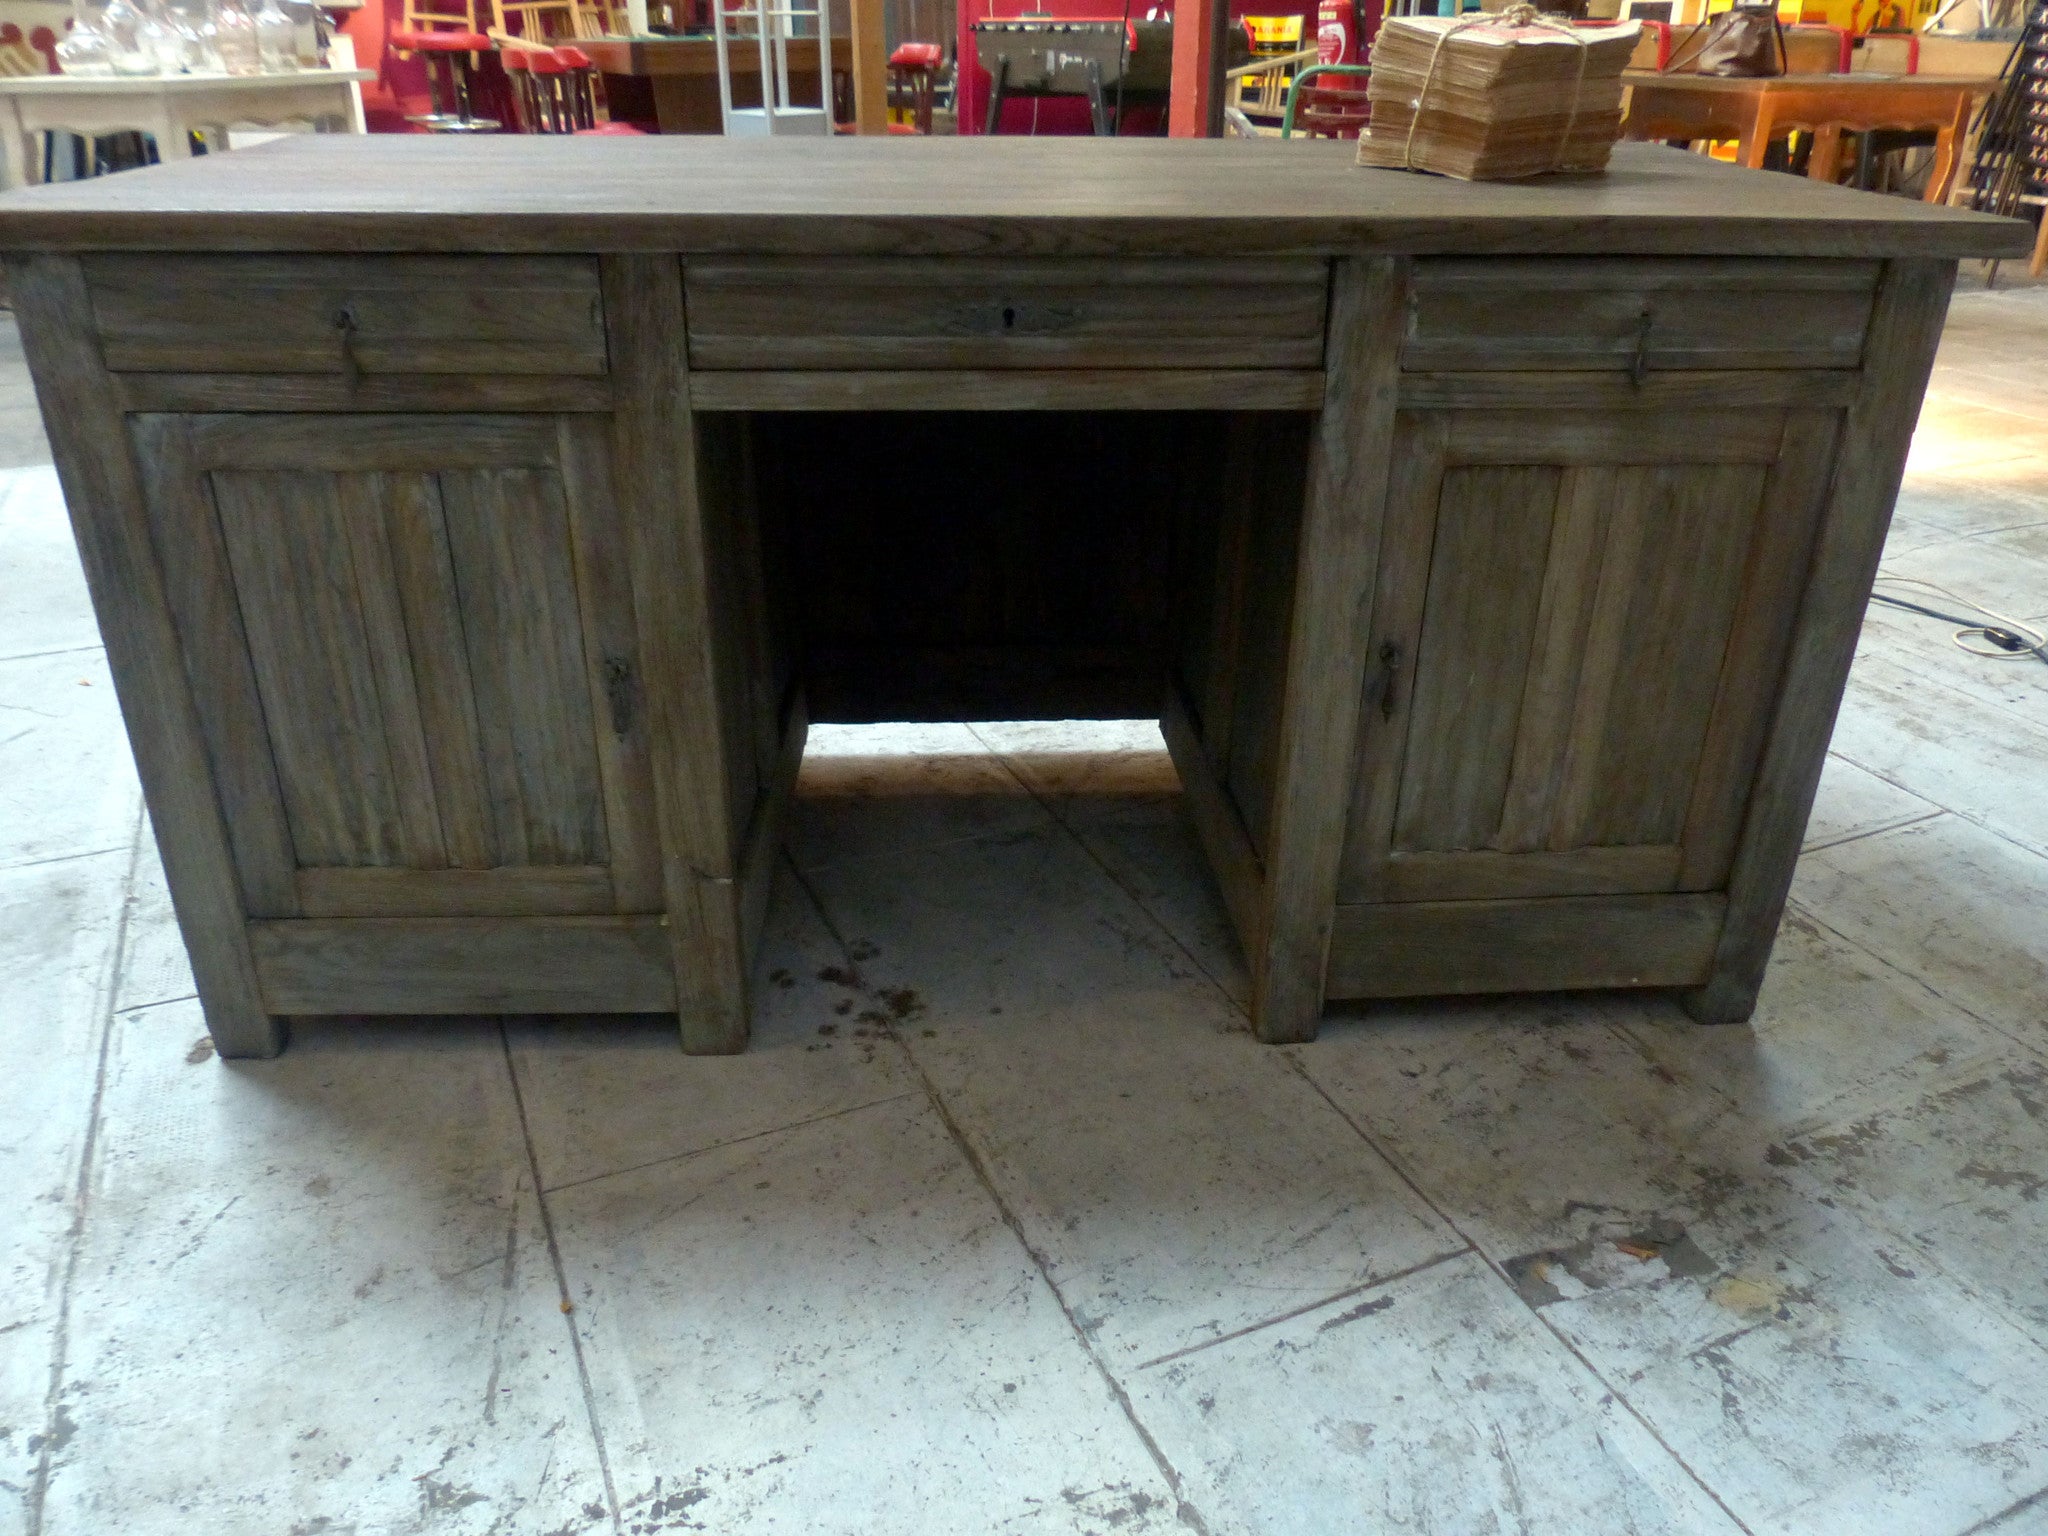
1005 1223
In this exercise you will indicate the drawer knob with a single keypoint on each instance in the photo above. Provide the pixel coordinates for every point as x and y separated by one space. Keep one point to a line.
1640 368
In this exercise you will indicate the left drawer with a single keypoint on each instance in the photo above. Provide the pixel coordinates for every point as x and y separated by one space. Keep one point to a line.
348 315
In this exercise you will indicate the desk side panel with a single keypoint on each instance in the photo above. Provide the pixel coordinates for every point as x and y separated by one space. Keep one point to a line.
109 517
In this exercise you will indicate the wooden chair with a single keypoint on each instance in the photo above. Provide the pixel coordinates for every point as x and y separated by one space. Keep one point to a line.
561 21
1828 117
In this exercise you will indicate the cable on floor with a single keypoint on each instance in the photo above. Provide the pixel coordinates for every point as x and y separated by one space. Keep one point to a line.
2008 638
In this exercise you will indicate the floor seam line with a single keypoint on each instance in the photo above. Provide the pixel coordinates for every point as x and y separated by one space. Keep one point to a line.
1109 874
1185 1510
64 858
62 650
547 1226
1870 832
2032 1047
1989 1523
1294 1313
735 1141
36 1499
155 1002
1402 1173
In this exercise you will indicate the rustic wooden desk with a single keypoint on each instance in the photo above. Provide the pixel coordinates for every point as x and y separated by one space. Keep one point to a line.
1754 111
472 526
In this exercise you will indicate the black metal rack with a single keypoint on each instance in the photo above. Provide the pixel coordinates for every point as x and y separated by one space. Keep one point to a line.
2010 170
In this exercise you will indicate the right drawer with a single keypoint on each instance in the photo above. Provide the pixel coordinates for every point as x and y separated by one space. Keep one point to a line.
979 313
1544 313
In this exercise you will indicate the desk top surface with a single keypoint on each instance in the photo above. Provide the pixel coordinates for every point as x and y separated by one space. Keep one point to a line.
957 197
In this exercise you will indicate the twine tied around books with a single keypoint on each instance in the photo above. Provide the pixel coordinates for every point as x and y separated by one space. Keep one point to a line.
1520 14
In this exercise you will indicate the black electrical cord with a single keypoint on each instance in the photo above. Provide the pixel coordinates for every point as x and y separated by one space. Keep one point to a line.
2012 641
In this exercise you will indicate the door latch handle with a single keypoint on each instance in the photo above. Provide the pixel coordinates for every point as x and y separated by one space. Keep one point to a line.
1640 368
345 328
1390 675
619 693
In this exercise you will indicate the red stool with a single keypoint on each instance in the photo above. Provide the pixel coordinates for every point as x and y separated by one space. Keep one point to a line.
914 74
556 90
449 55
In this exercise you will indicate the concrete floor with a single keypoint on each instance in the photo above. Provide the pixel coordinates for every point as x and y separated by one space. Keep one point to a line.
1005 1224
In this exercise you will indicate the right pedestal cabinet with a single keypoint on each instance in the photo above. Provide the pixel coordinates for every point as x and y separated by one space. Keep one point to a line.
1584 632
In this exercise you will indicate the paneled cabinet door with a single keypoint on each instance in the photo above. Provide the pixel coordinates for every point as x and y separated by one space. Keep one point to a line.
411 644
1578 625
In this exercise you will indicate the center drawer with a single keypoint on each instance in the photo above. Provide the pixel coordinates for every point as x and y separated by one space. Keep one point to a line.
1556 312
973 313
348 314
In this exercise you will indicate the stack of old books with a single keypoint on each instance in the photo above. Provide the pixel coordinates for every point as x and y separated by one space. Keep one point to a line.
1495 97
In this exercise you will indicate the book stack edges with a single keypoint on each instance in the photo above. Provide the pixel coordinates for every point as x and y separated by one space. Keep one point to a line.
1491 98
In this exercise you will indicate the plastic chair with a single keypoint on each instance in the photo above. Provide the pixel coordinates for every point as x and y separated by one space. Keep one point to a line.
1328 112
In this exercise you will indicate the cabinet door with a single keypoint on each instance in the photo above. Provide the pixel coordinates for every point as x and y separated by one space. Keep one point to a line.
1579 623
411 644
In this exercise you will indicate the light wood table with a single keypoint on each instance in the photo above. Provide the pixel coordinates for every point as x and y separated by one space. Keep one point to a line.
1755 111
474 529
166 107
677 77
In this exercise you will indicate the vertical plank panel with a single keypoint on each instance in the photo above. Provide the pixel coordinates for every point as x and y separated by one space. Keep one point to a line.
1493 531
654 456
1571 577
1689 581
1328 644
509 537
364 499
1870 458
424 571
201 591
1755 661
293 578
103 493
1413 492
1607 640
606 598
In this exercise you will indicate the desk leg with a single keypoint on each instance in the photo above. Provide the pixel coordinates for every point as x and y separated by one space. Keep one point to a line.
1824 163
1755 142
1328 646
678 605
1941 178
1870 460
173 137
16 151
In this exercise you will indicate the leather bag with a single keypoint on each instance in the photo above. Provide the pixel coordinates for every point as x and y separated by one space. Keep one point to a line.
1747 41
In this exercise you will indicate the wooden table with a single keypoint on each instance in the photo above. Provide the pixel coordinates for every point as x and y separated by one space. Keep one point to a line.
166 107
674 80
470 565
1755 111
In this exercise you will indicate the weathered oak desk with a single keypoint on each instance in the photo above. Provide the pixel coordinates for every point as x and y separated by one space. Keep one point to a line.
471 526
